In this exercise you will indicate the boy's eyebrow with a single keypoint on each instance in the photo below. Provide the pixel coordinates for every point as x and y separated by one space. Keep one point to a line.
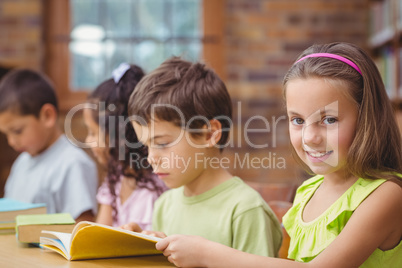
14 127
152 139
157 137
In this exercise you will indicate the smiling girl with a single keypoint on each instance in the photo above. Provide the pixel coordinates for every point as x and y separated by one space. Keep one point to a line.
343 129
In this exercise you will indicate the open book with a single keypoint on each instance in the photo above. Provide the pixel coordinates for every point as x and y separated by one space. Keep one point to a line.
91 240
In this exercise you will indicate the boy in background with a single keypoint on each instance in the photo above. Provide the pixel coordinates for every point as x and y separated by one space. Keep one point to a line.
182 112
49 169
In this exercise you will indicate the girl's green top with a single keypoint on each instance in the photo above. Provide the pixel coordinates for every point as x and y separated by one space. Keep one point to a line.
308 239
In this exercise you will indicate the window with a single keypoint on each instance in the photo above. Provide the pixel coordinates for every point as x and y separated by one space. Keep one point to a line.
86 43
145 32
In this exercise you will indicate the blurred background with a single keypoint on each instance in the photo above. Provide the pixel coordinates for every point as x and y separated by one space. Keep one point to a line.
249 43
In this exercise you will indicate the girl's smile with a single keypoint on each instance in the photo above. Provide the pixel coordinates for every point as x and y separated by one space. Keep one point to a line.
161 175
316 157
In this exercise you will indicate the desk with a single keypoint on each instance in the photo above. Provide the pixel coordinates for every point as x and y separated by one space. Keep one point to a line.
17 255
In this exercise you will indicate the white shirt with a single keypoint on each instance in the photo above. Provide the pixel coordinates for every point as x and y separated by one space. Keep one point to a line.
63 176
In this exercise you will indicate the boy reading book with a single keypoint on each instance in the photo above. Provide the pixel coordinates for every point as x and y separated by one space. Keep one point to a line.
182 112
49 169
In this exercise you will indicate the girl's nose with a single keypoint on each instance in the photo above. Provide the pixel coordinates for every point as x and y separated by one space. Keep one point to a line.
151 157
311 134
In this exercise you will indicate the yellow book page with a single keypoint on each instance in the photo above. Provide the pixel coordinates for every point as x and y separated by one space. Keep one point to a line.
95 241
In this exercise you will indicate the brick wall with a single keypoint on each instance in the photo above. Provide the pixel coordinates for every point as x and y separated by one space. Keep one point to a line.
263 38
21 33
20 46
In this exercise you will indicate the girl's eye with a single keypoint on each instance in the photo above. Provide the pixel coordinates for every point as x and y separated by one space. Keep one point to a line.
330 120
297 121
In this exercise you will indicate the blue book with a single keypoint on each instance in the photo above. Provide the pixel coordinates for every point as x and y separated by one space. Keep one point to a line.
10 208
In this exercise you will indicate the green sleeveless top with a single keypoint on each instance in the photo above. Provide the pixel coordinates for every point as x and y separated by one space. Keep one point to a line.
307 240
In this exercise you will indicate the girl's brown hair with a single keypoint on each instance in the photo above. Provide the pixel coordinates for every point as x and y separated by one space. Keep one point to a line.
115 95
376 149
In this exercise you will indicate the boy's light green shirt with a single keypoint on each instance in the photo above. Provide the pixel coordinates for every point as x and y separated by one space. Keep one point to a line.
232 214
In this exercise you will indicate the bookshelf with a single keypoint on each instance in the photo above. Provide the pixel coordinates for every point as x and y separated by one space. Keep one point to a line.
385 42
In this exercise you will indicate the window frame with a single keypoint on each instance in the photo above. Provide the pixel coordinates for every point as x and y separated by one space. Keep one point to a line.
57 37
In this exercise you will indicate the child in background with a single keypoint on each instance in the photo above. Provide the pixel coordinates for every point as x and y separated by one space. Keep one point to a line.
342 127
130 190
185 133
49 169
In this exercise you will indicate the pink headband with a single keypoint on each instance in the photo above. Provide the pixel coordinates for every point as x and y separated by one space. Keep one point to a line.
333 56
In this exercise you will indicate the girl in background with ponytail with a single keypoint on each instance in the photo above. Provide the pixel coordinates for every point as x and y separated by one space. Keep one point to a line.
130 189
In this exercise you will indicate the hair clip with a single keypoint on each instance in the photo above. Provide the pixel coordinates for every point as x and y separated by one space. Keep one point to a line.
120 71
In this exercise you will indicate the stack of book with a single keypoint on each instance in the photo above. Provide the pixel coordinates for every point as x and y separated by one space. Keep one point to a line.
29 227
10 209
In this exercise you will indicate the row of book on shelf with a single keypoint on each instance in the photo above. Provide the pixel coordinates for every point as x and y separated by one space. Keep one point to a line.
387 65
385 35
59 233
385 15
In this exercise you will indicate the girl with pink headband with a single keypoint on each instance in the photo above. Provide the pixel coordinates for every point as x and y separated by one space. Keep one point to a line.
343 130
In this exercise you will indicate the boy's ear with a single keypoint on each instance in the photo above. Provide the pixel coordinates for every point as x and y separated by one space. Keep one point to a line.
215 132
48 115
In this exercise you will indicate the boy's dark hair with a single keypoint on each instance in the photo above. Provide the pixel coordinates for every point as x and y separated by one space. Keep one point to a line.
4 70
192 88
24 92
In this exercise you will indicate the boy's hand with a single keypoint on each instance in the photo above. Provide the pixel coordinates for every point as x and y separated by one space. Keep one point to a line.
154 233
132 226
184 250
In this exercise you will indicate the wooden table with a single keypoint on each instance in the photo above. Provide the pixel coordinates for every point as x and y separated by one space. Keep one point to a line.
17 255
